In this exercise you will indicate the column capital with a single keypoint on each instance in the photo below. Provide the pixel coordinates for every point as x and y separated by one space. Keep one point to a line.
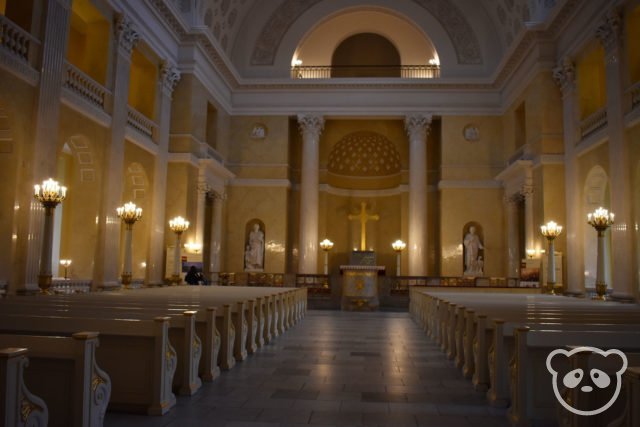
609 33
169 75
526 191
311 123
512 200
203 187
565 74
126 34
418 125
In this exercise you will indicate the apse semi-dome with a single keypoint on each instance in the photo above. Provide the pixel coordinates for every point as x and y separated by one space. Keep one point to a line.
364 154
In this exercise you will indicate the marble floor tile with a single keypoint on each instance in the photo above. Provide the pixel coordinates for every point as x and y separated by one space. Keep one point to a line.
335 369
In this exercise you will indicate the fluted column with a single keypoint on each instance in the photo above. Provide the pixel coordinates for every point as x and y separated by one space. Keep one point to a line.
623 258
310 126
513 242
417 127
43 152
216 237
201 208
105 273
564 75
169 78
529 236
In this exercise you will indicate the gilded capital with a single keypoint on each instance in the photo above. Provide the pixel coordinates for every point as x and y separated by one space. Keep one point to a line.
125 32
310 124
169 75
418 126
609 33
565 74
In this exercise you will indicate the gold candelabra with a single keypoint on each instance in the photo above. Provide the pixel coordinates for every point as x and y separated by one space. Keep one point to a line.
50 193
129 213
551 230
178 225
326 245
600 219
65 263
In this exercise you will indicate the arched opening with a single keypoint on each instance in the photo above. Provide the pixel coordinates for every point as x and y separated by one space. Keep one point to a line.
596 194
365 55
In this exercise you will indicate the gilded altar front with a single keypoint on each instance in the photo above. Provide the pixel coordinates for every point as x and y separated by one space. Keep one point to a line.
360 287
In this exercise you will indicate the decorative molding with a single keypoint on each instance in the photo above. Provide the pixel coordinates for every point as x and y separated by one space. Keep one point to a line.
125 33
609 33
310 124
255 182
565 74
169 75
184 158
346 192
418 126
469 184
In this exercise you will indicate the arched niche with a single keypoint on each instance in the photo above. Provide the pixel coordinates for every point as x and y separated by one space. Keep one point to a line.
473 260
595 195
365 55
254 244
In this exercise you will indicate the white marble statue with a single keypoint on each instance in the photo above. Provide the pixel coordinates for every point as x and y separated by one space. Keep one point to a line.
254 254
473 263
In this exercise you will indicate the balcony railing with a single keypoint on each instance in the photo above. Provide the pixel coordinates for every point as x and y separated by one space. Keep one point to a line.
334 71
17 42
140 122
84 86
70 286
593 123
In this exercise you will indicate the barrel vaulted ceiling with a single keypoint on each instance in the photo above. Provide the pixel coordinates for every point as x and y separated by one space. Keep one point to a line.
471 37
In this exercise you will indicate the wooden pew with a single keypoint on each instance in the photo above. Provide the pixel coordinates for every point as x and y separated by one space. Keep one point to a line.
135 353
18 406
630 416
64 373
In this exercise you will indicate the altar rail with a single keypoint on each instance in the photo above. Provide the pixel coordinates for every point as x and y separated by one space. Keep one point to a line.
401 284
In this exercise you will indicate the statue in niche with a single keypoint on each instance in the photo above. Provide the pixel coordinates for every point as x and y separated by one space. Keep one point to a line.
254 249
473 261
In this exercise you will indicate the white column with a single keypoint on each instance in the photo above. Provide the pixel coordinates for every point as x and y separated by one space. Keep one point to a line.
310 126
128 254
623 255
201 208
564 75
105 272
417 127
47 246
169 78
176 259
43 162
216 236
513 243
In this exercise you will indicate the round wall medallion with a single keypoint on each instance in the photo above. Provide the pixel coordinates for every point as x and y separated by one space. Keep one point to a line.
258 131
471 133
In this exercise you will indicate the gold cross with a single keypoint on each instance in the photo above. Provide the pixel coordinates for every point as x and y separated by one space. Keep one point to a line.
363 217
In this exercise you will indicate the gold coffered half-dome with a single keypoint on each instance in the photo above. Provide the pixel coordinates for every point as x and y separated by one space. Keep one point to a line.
364 154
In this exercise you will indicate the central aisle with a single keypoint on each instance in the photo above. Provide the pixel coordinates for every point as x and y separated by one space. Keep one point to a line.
336 369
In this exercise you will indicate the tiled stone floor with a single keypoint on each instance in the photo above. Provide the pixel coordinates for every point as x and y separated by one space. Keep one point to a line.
335 369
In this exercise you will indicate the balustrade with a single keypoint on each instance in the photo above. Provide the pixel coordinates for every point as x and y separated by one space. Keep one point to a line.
140 122
84 86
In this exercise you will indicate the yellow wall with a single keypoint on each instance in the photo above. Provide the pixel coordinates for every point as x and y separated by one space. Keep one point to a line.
632 42
88 43
142 86
591 79
3 6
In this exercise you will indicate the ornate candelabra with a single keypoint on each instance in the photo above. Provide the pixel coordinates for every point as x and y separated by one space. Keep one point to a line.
551 230
50 194
65 263
129 214
326 245
398 246
178 225
600 219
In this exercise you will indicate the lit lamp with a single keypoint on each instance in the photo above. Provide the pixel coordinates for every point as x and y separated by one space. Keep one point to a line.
600 219
326 246
551 230
129 214
398 246
50 194
65 263
178 225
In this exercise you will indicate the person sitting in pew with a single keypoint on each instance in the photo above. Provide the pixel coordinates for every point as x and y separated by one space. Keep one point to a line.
194 277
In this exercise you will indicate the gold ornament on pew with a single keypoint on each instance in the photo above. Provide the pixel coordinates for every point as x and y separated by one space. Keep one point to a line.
600 219
551 230
50 193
